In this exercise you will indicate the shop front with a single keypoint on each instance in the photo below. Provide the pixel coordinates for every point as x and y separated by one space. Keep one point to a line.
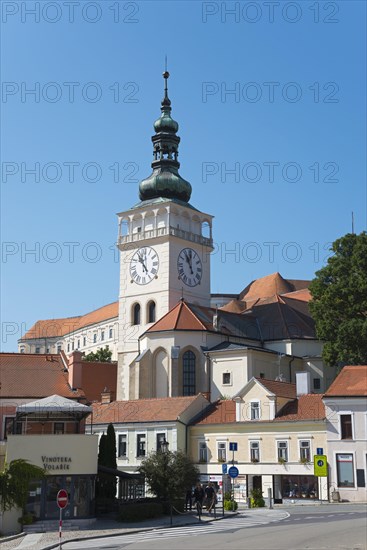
295 487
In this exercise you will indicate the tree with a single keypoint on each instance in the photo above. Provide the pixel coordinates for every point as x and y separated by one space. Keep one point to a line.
169 474
14 483
106 483
339 302
103 355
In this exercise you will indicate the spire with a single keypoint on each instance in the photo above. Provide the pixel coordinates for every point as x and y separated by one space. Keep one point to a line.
165 180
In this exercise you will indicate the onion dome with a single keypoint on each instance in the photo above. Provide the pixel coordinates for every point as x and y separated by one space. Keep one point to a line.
165 181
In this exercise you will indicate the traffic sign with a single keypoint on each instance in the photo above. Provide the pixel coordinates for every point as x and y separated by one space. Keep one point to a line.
224 468
320 465
233 471
62 499
233 446
319 451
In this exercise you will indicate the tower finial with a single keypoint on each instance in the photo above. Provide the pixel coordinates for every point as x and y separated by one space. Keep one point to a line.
166 77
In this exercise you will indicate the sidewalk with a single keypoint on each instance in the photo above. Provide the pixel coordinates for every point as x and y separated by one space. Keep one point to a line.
106 528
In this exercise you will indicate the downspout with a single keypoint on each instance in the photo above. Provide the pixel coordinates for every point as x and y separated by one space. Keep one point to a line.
290 368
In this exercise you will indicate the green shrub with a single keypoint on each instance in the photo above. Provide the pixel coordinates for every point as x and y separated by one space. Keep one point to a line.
139 511
26 519
257 500
230 505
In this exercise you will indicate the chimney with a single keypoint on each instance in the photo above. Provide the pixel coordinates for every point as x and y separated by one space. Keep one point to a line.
303 383
75 369
106 396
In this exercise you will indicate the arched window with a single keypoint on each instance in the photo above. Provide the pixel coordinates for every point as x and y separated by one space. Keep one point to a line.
151 312
188 385
136 314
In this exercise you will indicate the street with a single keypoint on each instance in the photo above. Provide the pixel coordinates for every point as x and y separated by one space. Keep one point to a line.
329 527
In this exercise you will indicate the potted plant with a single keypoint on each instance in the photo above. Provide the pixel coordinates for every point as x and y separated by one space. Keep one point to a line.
254 460
304 460
281 460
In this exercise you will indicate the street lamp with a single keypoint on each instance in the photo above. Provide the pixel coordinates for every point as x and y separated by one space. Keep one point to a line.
164 450
164 446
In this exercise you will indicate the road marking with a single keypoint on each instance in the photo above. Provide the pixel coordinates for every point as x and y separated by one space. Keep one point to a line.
227 524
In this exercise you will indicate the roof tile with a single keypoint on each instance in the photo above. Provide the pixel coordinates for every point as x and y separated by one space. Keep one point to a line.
352 380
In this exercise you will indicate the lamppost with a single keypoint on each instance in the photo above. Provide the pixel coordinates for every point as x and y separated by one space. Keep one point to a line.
165 451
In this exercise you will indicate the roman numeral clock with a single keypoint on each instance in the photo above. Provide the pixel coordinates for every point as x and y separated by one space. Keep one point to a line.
144 265
189 267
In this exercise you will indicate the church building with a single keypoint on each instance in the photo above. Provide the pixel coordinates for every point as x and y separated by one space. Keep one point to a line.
170 335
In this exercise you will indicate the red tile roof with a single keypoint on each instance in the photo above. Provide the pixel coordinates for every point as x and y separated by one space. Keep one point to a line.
28 375
181 317
306 407
351 381
280 389
59 327
141 410
221 412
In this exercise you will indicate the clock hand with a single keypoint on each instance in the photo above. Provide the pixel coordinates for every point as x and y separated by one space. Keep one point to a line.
142 263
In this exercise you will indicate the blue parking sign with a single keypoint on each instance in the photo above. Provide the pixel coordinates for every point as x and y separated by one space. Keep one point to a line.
224 468
233 446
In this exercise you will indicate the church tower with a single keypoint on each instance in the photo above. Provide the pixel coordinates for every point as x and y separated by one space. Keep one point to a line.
165 245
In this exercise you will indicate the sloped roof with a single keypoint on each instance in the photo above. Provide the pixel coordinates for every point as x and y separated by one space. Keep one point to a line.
54 403
351 381
221 412
28 375
59 327
274 318
191 317
142 410
306 407
270 285
280 389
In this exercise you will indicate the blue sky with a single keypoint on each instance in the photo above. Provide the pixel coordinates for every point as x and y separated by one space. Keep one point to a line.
274 93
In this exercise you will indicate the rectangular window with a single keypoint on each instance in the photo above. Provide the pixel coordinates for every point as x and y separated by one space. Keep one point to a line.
140 445
110 334
59 349
161 438
122 445
203 452
78 344
346 426
255 451
84 341
226 378
282 451
222 451
47 350
94 338
72 345
59 428
345 470
68 347
102 335
316 383
304 451
38 350
255 410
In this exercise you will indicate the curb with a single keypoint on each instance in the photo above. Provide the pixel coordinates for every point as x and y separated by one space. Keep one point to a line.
13 537
118 534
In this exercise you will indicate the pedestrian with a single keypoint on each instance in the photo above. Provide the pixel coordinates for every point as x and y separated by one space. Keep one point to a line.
210 497
199 495
188 500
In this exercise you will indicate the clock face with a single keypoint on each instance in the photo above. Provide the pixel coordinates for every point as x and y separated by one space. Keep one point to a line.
144 265
189 267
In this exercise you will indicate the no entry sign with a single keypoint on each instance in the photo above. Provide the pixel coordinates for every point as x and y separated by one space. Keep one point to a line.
62 499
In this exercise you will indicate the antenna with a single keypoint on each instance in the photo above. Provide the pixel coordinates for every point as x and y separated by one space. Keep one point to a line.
352 222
